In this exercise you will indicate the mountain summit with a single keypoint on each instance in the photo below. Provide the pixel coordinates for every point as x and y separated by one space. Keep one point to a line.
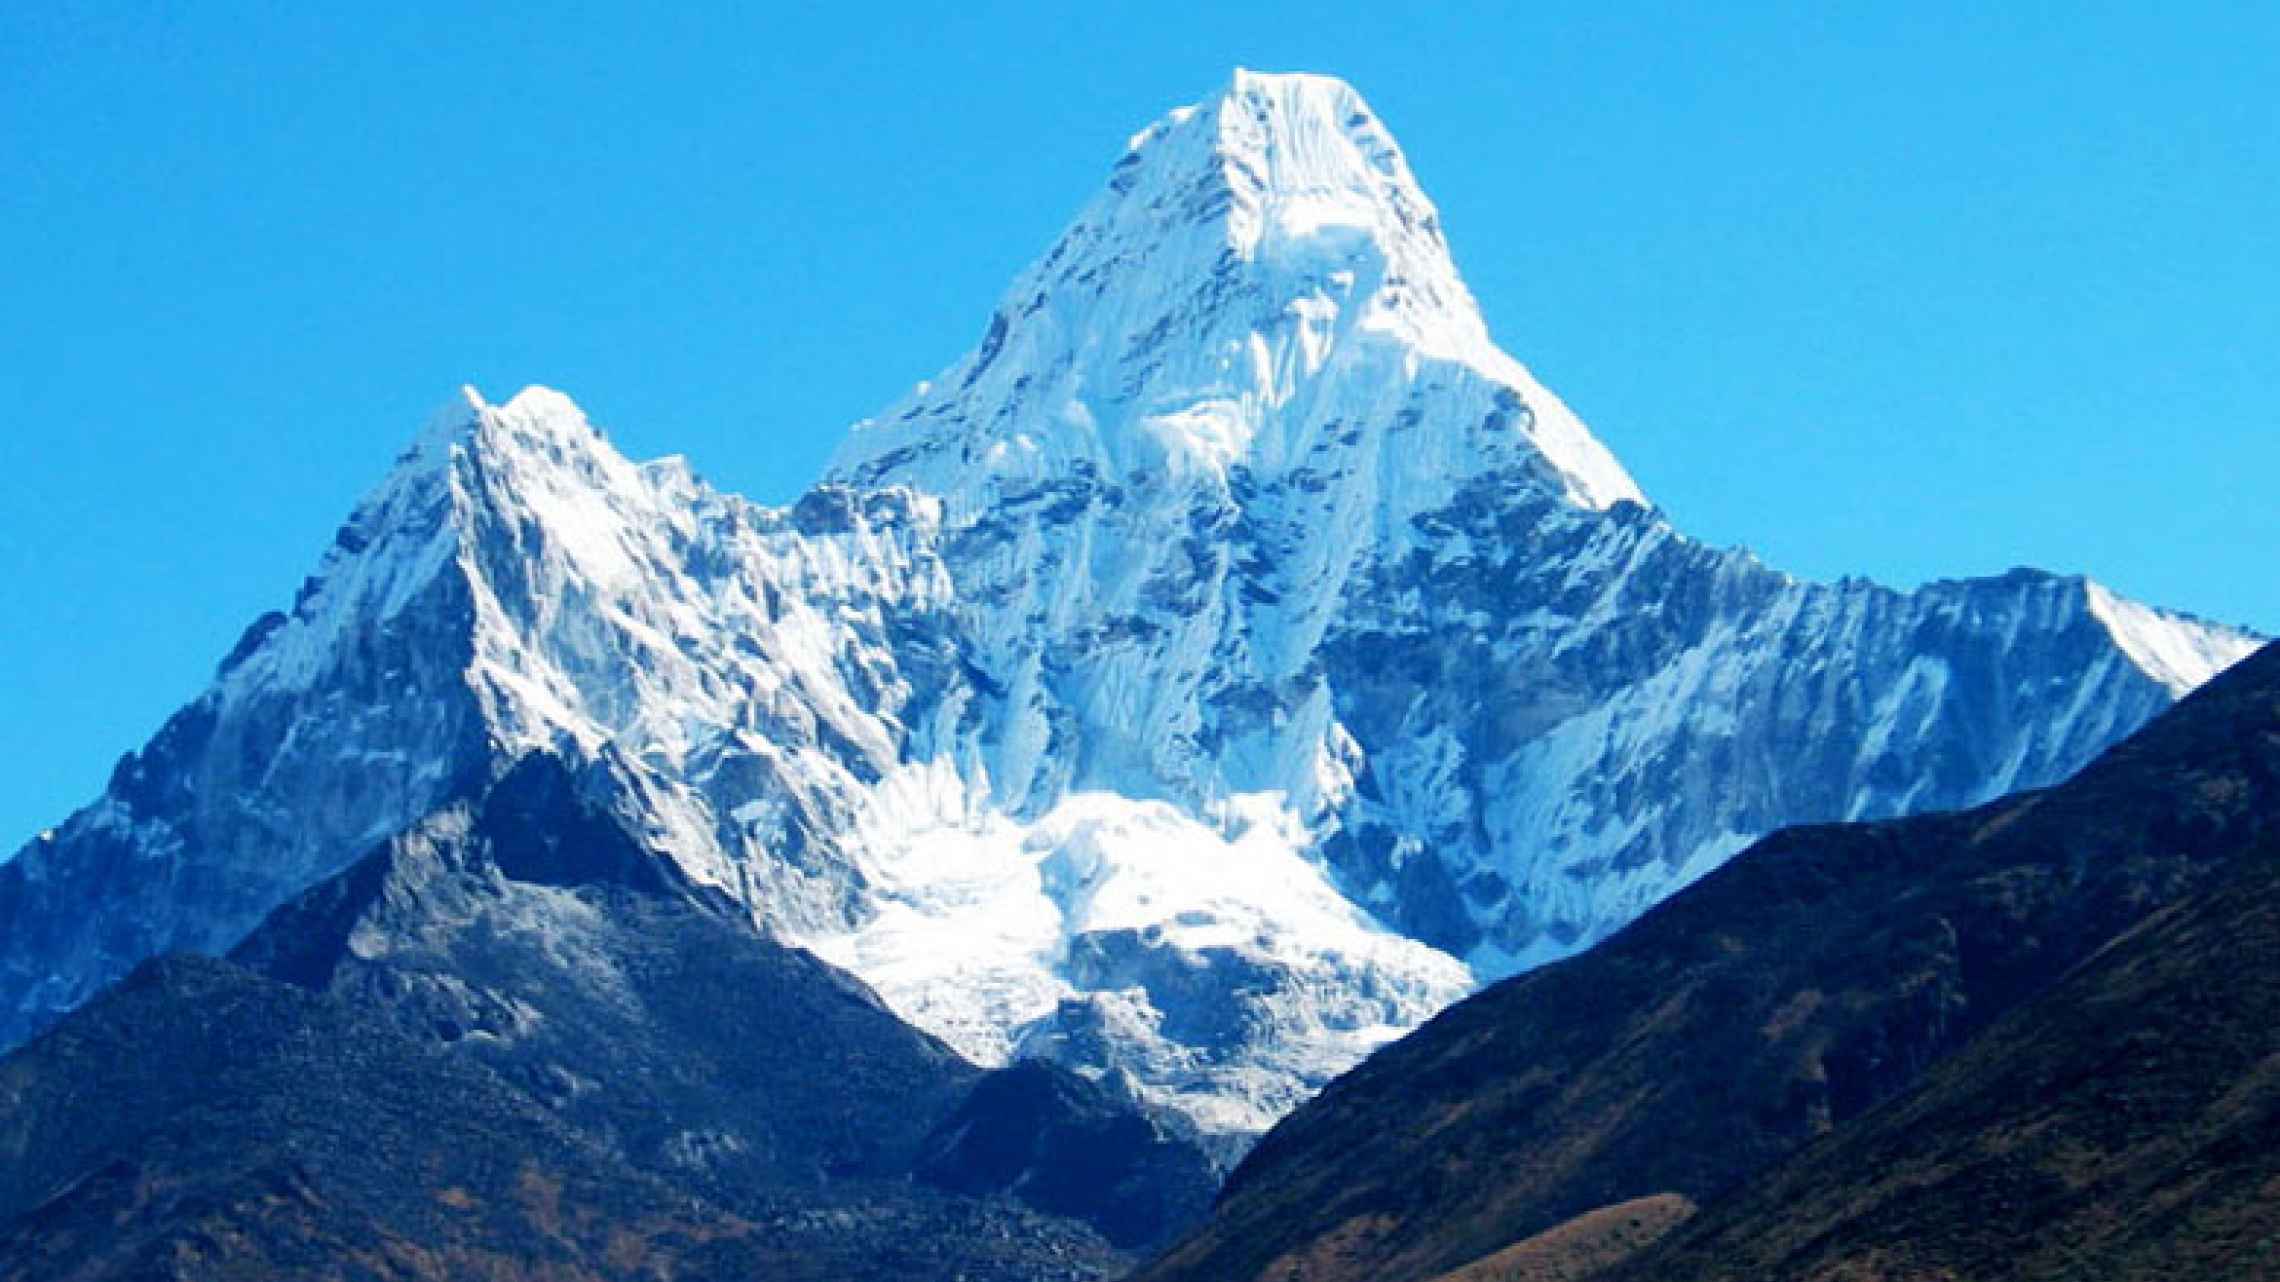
1220 669
1258 281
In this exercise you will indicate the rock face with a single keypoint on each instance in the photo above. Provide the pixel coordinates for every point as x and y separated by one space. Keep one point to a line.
1225 666
515 1038
1985 1036
532 931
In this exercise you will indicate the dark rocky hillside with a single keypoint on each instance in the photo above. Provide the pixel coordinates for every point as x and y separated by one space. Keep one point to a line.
1819 975
1072 1146
199 1121
535 935
2124 1125
513 1042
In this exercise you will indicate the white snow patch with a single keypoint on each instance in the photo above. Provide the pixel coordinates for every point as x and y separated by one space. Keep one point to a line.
977 915
2180 653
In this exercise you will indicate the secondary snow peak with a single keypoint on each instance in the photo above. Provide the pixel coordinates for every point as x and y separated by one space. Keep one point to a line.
535 421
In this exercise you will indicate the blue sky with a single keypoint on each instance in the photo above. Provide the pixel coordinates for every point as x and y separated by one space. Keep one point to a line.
1904 291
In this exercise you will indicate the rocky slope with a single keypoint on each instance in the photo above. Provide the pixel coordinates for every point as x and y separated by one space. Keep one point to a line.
1814 978
197 1121
593 1068
2124 1125
202 1122
1225 666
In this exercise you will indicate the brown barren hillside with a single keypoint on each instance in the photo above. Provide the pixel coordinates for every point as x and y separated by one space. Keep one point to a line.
1584 1247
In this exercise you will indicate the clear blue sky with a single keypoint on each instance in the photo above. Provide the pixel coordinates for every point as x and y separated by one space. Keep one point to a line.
1901 290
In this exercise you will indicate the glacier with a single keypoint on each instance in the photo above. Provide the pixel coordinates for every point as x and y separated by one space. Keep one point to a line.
1231 661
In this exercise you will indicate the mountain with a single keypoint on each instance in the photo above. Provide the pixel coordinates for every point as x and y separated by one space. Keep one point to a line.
2074 1090
2125 1125
197 1121
201 1122
1231 662
572 1035
535 933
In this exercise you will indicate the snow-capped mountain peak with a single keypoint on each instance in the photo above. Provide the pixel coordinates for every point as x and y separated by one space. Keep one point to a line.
534 459
1261 286
1273 162
538 423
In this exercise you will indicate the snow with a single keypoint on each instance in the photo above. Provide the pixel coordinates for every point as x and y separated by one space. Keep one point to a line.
1286 191
978 913
2179 652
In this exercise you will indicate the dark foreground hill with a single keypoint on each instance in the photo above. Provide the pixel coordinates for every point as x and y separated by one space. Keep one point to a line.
1797 994
514 1043
2125 1125
199 1121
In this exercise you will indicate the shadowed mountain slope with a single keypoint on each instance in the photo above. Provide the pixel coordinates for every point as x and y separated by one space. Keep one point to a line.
519 1008
2124 1125
1815 977
199 1121
532 933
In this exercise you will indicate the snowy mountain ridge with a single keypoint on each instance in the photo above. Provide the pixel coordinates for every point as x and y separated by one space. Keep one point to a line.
1227 664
